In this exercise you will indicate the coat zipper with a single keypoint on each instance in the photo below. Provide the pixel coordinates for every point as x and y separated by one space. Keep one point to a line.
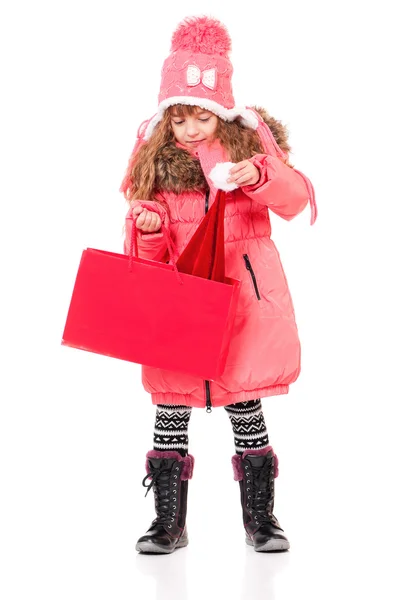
208 397
207 201
250 268
207 383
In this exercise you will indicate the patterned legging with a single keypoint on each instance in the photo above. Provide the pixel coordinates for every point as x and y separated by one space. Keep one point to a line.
247 419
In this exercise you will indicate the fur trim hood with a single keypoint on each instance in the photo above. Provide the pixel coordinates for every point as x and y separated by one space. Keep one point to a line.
178 171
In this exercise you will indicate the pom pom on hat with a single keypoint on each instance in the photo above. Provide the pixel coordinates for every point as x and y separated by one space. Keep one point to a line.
204 35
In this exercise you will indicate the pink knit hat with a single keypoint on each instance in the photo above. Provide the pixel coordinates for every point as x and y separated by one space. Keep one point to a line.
198 72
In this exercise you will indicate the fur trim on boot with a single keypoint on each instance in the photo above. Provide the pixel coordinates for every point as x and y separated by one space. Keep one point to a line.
237 461
188 461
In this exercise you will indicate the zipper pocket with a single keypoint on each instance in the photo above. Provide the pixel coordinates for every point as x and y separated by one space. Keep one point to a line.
250 269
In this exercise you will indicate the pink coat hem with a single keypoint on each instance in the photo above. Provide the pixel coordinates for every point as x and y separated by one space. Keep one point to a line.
227 399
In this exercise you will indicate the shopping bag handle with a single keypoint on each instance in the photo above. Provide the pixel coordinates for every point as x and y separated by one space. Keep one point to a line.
204 255
170 244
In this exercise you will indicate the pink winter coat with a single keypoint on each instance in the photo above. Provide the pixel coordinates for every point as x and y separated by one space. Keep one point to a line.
264 356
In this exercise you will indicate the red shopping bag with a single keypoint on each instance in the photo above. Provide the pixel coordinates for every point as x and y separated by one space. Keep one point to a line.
176 316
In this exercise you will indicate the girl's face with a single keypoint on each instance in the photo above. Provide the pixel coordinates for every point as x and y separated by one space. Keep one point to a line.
191 130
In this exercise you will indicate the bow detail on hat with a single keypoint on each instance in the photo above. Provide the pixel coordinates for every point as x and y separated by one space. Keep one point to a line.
208 77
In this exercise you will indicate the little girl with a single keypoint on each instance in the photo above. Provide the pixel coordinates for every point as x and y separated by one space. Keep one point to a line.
171 181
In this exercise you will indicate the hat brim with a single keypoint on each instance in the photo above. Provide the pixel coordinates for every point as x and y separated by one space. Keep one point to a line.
247 116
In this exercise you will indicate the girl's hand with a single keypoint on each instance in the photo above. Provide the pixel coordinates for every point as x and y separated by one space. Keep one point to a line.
244 173
147 221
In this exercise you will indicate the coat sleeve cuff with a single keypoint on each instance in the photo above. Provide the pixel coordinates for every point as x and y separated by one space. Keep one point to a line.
152 206
151 245
259 161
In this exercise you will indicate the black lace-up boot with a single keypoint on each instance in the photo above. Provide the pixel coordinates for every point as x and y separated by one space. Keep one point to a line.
169 473
256 470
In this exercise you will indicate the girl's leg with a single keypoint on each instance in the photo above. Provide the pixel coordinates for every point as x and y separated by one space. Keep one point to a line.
248 425
169 467
171 428
255 466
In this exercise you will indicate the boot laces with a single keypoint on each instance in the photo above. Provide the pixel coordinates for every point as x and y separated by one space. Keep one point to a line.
165 489
261 486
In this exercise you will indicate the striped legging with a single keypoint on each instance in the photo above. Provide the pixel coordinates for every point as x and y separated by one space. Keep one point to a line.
247 419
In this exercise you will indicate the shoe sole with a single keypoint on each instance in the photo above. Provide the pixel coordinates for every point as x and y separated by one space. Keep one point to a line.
151 548
270 546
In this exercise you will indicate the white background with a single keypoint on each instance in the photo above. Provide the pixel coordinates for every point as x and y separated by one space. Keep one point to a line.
77 79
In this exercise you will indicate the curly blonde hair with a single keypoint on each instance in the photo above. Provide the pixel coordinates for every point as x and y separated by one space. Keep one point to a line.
239 142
